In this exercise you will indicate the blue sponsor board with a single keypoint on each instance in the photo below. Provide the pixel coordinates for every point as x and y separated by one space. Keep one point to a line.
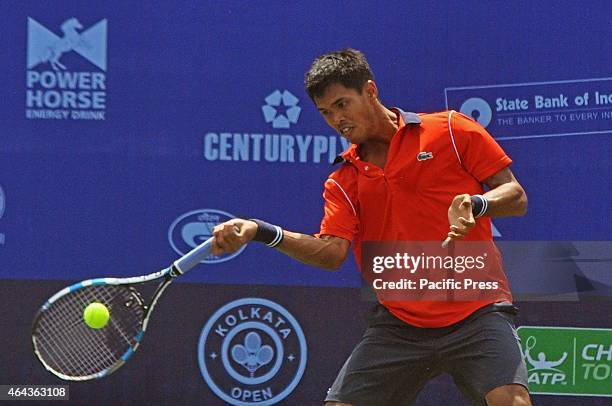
539 109
129 131
122 122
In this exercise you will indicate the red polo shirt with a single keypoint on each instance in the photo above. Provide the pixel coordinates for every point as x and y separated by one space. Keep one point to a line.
431 159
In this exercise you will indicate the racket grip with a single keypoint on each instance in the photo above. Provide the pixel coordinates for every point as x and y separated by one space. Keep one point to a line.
194 257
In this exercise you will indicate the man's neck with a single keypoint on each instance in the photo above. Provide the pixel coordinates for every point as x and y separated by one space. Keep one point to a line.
375 149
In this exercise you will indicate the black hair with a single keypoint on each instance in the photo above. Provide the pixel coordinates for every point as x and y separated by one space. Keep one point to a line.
348 67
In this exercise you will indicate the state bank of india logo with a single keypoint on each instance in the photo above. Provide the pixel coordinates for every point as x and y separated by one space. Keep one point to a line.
252 351
478 109
60 84
281 109
193 228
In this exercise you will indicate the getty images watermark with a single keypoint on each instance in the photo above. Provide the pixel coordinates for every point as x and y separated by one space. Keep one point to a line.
425 271
483 270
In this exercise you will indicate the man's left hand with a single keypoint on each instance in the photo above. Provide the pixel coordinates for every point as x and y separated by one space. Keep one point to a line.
460 218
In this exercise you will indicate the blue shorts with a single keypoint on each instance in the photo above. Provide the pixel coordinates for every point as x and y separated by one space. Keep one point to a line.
394 360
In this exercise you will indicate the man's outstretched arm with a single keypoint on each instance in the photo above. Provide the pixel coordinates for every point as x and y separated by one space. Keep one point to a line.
327 252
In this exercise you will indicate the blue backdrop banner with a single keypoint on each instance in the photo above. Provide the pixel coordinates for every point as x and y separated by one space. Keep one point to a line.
130 129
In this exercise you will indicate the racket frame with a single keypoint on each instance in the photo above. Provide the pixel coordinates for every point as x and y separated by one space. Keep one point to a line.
178 268
167 275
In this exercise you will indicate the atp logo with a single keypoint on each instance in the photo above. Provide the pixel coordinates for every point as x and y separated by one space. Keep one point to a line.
281 109
193 228
478 109
543 371
568 360
252 351
57 89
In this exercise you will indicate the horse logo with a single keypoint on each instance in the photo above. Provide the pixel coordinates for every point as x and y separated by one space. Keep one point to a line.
45 46
71 40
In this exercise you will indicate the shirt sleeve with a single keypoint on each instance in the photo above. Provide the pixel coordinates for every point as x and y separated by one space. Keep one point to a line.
478 152
340 215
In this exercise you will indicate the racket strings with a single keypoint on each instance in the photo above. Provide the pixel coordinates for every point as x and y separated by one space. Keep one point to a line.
65 342
67 345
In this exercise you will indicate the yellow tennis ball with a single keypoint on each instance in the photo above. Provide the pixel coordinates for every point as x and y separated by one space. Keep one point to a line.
96 315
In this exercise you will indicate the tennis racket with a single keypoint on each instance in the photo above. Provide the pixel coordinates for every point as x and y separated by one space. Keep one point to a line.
71 350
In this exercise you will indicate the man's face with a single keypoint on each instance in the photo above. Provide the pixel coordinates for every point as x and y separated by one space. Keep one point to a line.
348 112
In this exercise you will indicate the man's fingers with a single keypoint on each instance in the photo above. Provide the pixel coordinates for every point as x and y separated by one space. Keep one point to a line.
464 225
466 202
457 230
461 200
465 222
227 238
455 236
460 218
446 242
218 234
216 249
451 237
463 229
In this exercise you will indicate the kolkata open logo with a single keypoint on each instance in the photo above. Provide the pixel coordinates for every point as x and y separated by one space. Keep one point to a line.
252 351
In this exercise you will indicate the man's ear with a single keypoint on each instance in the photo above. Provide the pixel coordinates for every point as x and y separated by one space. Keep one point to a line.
371 89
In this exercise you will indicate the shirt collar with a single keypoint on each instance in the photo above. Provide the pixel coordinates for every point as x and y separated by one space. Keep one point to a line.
409 118
406 118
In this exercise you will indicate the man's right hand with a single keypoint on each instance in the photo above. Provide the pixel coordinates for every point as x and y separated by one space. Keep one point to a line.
232 235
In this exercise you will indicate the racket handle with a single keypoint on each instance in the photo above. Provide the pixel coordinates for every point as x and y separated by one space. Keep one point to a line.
193 257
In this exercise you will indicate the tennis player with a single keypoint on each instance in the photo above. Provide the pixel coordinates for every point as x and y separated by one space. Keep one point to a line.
407 177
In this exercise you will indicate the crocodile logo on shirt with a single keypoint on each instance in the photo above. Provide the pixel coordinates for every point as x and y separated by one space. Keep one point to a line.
423 156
